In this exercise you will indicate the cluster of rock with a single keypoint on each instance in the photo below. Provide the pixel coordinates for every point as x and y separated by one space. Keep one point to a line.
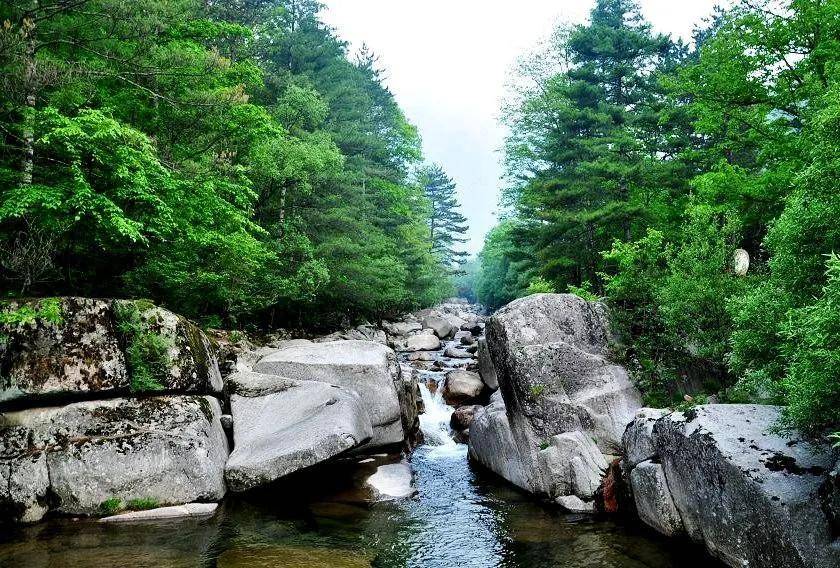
561 407
76 439
445 343
80 435
566 424
720 475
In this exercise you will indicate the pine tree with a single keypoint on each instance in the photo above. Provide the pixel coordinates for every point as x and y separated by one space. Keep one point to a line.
597 168
446 223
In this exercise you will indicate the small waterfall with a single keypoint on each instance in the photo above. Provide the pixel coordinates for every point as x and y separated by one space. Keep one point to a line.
434 422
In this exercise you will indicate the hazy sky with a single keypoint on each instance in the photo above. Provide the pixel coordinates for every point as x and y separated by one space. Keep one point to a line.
447 60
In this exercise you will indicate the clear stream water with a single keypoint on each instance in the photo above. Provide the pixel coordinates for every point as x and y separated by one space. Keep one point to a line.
459 517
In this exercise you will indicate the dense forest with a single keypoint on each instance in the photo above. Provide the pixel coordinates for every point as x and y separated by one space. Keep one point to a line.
637 166
230 160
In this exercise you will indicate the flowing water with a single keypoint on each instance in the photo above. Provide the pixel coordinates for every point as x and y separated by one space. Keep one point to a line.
459 517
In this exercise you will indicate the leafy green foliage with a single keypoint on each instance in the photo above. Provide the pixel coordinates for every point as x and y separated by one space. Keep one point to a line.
143 504
111 506
230 161
147 352
640 167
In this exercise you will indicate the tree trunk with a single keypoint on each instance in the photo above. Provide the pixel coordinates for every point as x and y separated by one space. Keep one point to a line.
30 71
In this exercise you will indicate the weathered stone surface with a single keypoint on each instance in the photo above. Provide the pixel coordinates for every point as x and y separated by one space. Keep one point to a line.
468 340
402 328
637 441
461 386
566 403
653 499
170 449
420 342
163 513
366 368
485 366
285 425
750 495
463 416
456 353
82 352
571 465
24 480
492 444
439 325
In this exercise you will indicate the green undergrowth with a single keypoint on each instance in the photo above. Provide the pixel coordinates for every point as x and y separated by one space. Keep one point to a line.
116 505
47 310
147 352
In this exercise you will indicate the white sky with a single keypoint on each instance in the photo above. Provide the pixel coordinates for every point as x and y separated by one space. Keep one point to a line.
446 62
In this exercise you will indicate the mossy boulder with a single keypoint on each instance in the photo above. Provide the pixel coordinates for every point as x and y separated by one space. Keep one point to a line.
65 349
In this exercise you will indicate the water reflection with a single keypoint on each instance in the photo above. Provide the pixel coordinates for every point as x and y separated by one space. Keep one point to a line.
460 517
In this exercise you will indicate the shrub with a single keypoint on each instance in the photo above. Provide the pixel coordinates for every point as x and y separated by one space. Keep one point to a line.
147 352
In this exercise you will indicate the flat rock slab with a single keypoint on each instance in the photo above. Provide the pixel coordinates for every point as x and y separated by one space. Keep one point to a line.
300 424
392 481
168 449
364 367
751 495
164 513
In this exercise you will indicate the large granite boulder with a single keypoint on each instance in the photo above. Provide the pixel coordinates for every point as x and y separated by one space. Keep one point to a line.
751 495
369 369
550 353
73 459
64 349
284 425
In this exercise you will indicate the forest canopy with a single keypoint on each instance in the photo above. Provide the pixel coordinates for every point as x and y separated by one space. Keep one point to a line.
230 160
638 165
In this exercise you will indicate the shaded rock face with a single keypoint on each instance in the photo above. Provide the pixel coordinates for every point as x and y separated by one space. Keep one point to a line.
567 405
463 416
752 496
284 425
492 444
485 366
83 353
440 325
461 387
73 458
366 368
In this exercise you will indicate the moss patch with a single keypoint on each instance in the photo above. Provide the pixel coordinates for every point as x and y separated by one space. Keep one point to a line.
147 352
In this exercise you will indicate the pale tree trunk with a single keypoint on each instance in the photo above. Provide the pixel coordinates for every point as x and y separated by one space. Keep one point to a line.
30 75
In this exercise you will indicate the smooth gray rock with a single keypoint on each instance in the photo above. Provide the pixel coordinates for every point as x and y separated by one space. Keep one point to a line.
653 499
637 441
493 446
284 425
420 342
566 403
441 326
170 449
461 386
750 495
82 352
485 366
366 368
392 481
164 513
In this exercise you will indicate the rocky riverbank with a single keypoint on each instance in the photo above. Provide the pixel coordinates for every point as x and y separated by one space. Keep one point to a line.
112 406
719 474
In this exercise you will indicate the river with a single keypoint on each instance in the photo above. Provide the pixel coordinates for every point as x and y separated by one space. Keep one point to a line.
459 517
